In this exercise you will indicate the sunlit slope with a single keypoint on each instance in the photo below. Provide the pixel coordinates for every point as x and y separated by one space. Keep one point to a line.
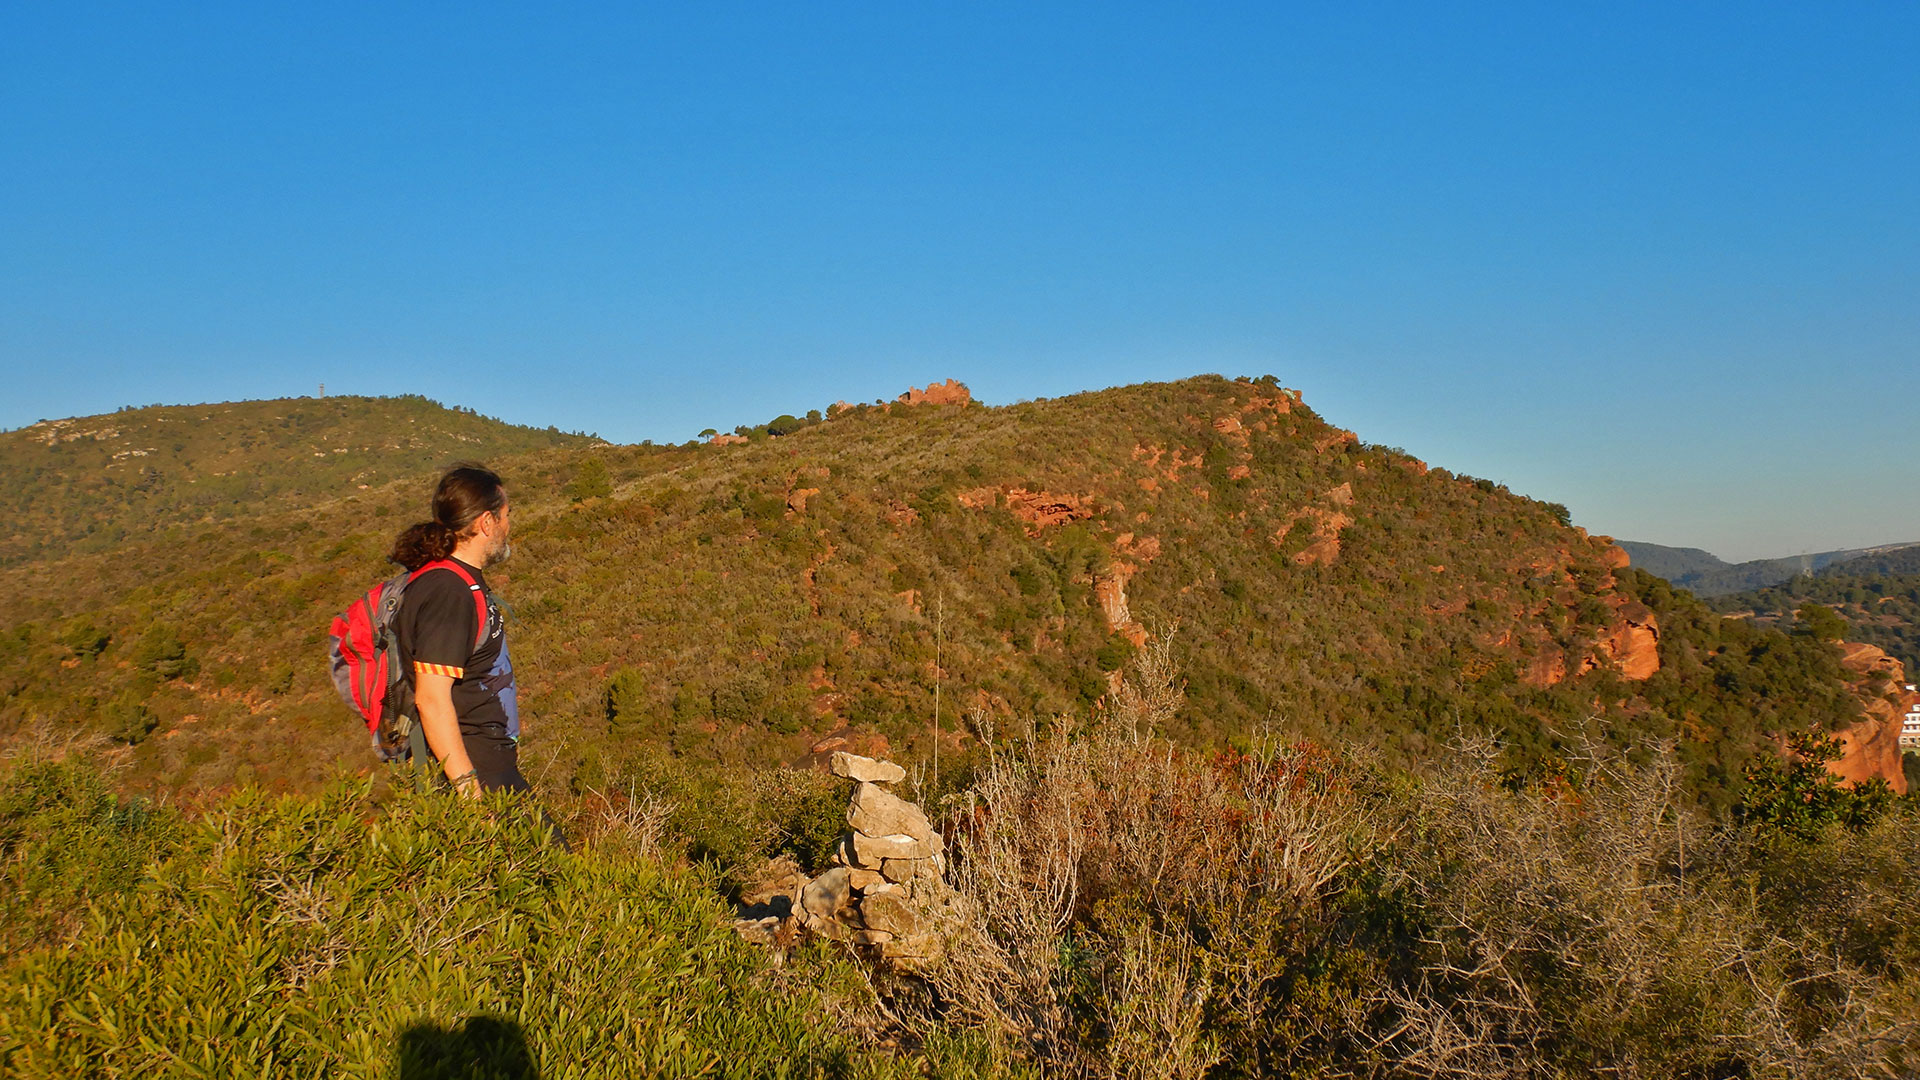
748 601
91 483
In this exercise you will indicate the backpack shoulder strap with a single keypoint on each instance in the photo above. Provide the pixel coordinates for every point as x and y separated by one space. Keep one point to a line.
479 594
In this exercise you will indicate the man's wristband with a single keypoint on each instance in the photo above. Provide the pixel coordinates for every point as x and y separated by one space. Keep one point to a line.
470 774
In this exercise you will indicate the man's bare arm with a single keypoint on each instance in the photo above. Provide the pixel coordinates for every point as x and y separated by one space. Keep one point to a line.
433 697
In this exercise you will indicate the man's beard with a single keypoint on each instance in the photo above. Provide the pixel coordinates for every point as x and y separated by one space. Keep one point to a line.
501 553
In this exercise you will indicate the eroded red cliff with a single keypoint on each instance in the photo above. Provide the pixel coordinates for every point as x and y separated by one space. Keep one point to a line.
1872 746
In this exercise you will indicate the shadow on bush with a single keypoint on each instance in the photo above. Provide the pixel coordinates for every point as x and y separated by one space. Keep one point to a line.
489 1047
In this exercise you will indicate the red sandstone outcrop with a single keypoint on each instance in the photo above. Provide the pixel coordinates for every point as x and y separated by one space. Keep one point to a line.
1872 746
725 440
1145 548
797 500
1334 438
1191 461
951 392
1326 525
1631 644
1110 584
1231 427
1870 660
1039 509
1110 592
1281 403
1152 455
1547 668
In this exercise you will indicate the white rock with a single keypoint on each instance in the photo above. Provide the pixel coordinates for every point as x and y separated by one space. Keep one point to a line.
871 851
876 813
825 895
865 769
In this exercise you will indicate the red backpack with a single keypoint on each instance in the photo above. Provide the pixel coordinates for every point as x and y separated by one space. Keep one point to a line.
364 652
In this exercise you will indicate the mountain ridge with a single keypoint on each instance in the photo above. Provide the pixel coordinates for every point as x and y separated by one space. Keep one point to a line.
88 483
755 600
1707 575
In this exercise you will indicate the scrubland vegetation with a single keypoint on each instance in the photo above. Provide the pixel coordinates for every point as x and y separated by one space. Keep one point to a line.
738 604
1129 908
1878 597
94 483
1398 813
334 935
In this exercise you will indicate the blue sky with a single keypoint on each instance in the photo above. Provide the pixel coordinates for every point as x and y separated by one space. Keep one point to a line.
1660 263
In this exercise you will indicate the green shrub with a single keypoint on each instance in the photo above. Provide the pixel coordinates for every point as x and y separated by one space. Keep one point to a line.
591 481
161 651
738 700
626 699
84 638
65 836
1113 655
1821 622
129 719
1797 795
330 937
815 821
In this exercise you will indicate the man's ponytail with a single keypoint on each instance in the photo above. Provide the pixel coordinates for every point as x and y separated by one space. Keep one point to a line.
422 544
465 492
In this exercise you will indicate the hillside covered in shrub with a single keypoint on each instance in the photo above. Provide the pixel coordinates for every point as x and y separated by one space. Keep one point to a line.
1125 907
94 483
887 569
1877 596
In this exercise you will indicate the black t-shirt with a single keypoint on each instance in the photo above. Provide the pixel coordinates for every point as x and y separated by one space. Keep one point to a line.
437 626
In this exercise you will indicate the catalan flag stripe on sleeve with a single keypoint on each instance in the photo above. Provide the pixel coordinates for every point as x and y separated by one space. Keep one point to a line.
423 668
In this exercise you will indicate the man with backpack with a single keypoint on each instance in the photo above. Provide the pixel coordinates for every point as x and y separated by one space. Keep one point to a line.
451 639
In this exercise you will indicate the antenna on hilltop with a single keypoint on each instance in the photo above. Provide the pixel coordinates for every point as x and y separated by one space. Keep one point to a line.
323 389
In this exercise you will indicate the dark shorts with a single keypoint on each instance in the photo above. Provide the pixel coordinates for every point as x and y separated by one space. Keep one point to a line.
496 763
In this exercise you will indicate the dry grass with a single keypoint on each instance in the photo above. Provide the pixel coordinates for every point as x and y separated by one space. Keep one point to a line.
1566 934
1132 909
1094 862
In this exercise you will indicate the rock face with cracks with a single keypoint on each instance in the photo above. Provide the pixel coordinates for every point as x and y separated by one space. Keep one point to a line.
1871 747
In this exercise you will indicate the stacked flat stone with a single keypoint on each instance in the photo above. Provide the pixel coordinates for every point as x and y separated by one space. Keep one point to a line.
885 892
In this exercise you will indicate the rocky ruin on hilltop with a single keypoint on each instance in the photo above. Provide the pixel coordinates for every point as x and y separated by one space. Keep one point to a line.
951 392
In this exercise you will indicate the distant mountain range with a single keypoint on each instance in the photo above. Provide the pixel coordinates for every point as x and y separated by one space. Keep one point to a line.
1878 594
1705 574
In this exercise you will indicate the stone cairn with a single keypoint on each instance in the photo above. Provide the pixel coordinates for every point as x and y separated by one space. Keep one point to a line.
884 895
